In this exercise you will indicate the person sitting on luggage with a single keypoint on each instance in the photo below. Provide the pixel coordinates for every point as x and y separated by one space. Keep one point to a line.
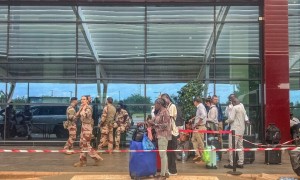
198 124
294 126
183 143
237 122
161 122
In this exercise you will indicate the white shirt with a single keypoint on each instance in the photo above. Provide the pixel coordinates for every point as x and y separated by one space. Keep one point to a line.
237 119
294 121
228 111
212 115
172 111
200 114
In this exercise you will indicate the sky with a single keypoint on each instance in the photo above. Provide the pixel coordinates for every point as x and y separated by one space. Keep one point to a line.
119 91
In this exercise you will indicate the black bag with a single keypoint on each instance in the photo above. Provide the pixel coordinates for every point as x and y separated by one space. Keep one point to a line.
138 135
273 135
179 119
272 157
295 161
249 156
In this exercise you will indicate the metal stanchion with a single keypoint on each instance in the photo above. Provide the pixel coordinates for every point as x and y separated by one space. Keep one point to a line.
234 172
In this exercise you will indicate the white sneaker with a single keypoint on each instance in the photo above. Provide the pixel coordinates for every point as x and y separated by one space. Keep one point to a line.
175 174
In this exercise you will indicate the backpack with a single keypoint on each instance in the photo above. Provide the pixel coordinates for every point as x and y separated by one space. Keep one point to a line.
273 135
138 135
179 119
220 113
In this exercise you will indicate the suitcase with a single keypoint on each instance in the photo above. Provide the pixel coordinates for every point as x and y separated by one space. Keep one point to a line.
141 163
217 144
210 156
249 156
272 157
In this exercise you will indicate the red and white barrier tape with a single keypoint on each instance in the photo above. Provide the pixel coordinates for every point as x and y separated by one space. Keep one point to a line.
128 151
205 131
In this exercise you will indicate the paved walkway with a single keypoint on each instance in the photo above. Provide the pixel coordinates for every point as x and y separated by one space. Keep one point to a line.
59 166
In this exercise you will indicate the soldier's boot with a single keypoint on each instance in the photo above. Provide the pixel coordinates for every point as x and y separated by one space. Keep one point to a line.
97 162
80 164
99 149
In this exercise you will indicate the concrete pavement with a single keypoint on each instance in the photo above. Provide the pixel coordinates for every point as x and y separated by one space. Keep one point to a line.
59 166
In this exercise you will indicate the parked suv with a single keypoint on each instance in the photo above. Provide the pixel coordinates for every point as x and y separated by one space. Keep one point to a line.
49 119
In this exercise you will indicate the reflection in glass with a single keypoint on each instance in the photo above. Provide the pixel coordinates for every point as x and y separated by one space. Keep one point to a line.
42 13
3 42
51 92
248 92
179 14
177 40
42 42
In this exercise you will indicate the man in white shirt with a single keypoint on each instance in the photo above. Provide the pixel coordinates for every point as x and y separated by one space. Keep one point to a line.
294 126
293 120
236 121
230 106
199 124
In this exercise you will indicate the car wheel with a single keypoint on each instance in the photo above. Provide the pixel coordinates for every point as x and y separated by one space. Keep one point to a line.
60 132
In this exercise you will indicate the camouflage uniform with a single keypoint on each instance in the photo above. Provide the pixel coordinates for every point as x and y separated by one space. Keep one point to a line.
85 138
71 118
106 125
122 124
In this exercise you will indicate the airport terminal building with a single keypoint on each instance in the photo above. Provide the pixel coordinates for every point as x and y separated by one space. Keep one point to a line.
51 50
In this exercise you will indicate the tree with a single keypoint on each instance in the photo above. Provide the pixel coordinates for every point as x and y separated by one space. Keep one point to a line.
186 94
136 103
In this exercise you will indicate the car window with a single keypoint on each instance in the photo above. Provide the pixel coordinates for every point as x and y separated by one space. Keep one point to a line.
58 110
44 111
35 111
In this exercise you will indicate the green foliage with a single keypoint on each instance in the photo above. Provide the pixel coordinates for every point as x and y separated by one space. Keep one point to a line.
185 97
139 100
19 100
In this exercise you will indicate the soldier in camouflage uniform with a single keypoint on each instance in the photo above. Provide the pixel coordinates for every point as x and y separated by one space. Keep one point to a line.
71 121
85 114
121 123
106 124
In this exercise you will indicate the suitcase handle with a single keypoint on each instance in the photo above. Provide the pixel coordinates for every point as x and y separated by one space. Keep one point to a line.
248 129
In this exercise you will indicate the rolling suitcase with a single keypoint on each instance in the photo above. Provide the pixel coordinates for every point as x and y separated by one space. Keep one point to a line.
210 156
141 163
217 144
249 156
272 157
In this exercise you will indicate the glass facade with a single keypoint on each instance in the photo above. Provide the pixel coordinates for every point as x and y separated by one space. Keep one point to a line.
51 53
294 53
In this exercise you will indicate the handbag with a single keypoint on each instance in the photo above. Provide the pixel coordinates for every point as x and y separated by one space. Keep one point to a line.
147 144
66 124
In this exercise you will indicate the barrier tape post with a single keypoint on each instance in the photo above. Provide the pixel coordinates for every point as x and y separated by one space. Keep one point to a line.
234 172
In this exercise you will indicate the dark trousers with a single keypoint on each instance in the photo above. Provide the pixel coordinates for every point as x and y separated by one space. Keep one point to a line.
172 145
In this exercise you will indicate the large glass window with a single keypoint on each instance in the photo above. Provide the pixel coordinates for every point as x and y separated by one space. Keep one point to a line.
294 55
131 53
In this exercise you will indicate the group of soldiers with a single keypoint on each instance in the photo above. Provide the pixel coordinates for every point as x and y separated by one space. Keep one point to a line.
112 117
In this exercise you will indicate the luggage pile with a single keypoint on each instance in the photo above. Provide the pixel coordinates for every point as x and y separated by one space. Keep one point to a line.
273 137
142 164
